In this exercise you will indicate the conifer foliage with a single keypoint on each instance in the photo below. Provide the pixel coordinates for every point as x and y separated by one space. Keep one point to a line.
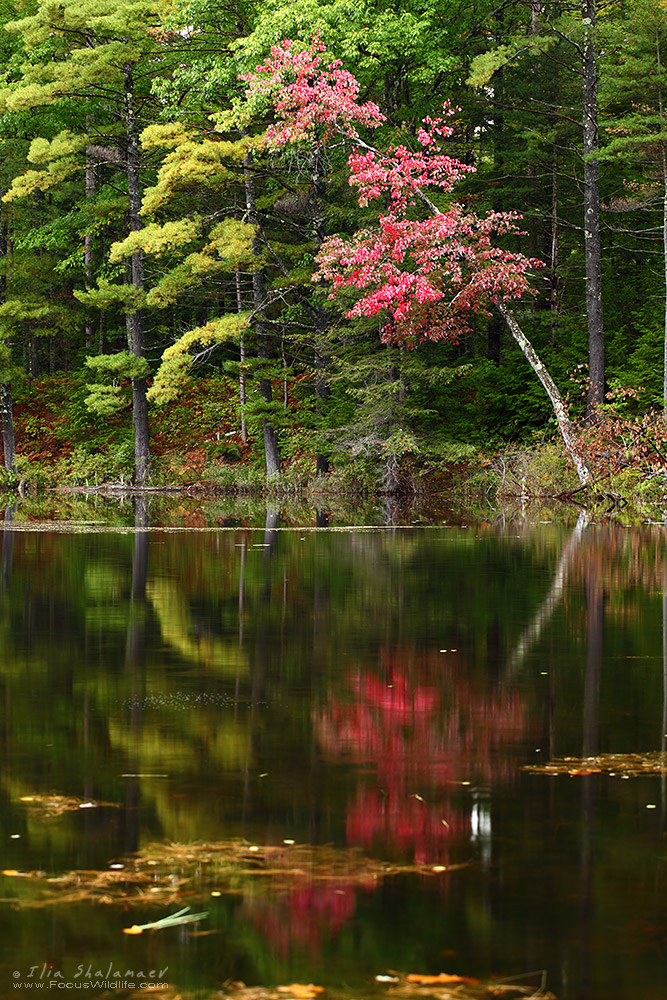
276 196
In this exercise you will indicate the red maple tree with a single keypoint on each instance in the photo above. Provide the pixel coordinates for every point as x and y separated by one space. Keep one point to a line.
427 275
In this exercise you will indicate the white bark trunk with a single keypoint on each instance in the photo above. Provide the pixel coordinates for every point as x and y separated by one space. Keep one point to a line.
551 389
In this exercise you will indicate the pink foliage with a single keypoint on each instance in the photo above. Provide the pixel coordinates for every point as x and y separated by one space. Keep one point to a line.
402 172
311 101
426 277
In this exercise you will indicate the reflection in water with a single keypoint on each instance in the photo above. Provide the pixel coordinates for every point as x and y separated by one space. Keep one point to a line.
7 549
372 689
425 731
595 602
134 667
305 920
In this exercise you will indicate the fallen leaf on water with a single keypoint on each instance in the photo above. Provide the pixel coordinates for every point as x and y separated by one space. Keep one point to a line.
443 977
301 991
172 920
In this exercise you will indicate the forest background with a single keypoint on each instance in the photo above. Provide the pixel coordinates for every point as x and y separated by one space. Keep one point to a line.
169 312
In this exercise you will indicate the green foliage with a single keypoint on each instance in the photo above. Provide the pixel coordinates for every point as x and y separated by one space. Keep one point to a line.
106 398
108 294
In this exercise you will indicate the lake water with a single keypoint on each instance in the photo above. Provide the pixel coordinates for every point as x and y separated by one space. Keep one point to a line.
375 688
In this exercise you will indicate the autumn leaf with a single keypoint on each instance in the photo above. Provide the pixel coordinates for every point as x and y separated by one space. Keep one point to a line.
443 977
301 991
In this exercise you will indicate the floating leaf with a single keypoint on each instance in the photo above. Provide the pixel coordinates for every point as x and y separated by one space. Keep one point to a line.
173 920
442 977
301 991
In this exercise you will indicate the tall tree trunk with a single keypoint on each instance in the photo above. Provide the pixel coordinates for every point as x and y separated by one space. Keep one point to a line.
8 425
271 453
6 405
592 242
553 264
663 157
88 256
321 361
242 395
135 320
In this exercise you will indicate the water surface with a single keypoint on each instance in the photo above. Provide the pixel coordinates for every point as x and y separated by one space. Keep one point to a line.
380 689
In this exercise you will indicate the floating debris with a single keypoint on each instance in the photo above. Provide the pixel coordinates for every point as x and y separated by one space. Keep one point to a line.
172 920
46 806
615 764
443 986
161 872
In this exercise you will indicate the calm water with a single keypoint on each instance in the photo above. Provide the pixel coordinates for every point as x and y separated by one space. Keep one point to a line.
374 688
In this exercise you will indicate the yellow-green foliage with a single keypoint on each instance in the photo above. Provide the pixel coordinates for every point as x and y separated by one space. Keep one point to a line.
188 274
60 155
486 64
165 136
231 241
64 144
177 360
229 247
107 397
156 239
115 28
193 163
107 294
26 308
41 180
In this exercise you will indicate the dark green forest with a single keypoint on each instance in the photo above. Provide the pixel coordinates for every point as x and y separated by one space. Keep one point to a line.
162 291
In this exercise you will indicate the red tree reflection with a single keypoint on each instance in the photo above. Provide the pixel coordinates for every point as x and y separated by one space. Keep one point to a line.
423 726
302 919
420 730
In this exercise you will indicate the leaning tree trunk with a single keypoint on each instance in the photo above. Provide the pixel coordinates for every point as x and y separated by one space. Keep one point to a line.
564 425
592 242
135 320
271 453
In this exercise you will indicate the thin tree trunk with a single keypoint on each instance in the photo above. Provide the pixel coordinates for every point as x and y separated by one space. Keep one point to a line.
592 242
88 257
8 425
136 319
321 361
663 155
271 453
6 404
242 396
553 268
